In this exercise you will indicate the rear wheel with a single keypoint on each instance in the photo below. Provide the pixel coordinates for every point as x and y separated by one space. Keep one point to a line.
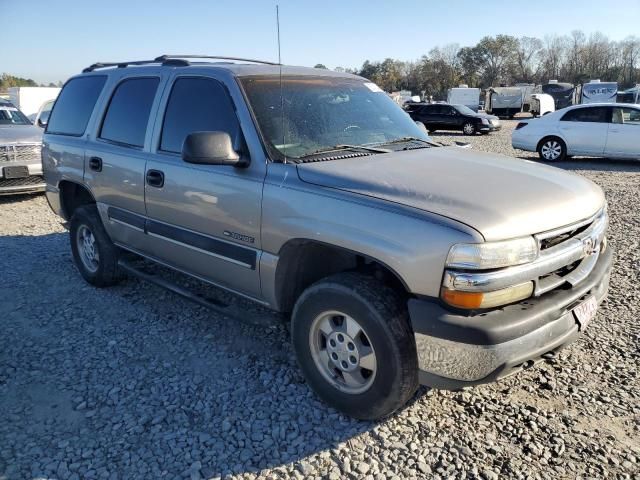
469 128
352 338
94 254
552 149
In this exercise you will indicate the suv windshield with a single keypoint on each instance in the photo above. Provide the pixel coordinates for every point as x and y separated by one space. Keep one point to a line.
321 113
10 115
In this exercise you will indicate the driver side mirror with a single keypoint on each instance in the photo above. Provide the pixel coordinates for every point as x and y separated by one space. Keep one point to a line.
42 122
211 148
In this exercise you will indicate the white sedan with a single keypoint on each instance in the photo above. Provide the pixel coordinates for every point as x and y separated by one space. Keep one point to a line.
597 130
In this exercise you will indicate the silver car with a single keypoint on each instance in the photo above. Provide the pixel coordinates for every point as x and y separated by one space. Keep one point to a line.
20 146
312 193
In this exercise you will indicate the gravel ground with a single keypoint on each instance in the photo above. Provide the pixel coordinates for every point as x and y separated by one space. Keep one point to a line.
133 381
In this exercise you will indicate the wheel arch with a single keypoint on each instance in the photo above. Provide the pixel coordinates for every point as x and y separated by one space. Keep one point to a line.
302 262
73 195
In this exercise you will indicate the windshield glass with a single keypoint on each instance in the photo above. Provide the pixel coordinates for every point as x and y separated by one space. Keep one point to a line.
12 116
464 110
324 112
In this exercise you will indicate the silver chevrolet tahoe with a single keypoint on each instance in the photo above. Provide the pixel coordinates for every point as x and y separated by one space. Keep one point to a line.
20 157
401 262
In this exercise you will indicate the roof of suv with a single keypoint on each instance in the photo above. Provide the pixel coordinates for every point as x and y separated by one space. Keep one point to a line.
238 66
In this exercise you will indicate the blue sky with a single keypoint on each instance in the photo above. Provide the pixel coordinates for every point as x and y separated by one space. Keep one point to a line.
51 40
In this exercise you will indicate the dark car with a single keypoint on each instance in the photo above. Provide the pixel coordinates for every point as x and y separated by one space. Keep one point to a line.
439 116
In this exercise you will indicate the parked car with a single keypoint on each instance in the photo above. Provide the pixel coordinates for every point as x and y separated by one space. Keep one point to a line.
400 261
20 145
42 117
453 117
596 130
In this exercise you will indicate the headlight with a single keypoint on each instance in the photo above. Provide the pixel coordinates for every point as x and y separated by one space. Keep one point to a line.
475 300
485 121
480 256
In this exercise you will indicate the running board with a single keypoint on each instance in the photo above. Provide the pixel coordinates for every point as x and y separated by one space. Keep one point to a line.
222 308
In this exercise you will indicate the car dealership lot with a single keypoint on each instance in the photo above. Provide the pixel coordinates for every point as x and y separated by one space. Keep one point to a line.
135 381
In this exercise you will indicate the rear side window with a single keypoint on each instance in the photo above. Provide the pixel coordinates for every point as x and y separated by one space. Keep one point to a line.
593 114
127 115
74 105
197 105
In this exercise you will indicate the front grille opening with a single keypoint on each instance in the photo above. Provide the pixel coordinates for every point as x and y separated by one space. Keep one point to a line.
18 153
30 181
558 239
561 272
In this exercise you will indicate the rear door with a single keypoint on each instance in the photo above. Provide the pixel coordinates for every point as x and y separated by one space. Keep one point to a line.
117 153
624 133
204 219
450 118
585 130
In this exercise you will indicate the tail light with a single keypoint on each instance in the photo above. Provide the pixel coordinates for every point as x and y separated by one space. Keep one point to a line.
520 125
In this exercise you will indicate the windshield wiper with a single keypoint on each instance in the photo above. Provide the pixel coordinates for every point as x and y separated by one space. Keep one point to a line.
409 139
340 147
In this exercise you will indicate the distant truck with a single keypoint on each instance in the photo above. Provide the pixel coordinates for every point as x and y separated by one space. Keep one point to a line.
504 101
599 92
30 99
463 95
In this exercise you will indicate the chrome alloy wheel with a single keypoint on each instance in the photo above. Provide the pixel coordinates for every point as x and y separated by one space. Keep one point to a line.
551 150
468 128
342 352
87 248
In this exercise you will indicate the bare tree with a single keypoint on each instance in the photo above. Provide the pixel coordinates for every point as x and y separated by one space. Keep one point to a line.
527 57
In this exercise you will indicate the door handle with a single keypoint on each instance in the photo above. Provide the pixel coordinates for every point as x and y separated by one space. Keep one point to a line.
95 164
155 178
614 130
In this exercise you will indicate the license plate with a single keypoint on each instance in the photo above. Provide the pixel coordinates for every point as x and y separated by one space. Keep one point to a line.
16 172
585 312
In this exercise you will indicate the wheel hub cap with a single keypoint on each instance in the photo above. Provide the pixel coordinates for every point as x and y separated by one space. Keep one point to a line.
551 150
342 352
87 248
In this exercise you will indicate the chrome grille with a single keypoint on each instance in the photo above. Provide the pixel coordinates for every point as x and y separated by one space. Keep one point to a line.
20 153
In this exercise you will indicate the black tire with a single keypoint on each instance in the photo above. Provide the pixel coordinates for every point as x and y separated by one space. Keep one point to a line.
383 315
106 272
469 128
548 147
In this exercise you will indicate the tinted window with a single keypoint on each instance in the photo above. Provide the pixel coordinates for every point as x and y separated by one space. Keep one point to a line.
626 116
595 114
446 110
128 111
432 109
197 105
74 105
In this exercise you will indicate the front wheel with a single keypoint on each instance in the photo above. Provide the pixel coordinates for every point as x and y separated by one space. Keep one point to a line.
354 344
469 128
552 149
94 254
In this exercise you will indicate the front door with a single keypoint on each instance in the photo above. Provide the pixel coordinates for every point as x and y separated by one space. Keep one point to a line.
624 133
204 219
585 130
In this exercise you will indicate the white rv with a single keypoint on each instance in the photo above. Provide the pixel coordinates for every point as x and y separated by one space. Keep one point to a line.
463 95
599 92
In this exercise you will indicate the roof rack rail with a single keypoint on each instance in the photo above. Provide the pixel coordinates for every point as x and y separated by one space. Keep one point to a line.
170 61
165 58
97 65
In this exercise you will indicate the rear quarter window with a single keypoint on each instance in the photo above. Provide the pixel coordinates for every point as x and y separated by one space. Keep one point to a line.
75 104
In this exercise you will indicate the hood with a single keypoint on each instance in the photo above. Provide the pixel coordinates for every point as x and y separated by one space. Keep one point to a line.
499 196
20 134
487 116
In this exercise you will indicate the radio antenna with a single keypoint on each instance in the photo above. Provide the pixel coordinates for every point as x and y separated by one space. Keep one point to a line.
284 148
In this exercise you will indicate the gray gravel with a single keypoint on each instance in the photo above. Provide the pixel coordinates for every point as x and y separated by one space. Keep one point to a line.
133 381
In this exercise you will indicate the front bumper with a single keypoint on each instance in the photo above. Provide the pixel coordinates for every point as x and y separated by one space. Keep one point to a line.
456 351
31 184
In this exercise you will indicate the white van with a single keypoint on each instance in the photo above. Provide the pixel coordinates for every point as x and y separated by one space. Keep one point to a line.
463 95
599 92
541 103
